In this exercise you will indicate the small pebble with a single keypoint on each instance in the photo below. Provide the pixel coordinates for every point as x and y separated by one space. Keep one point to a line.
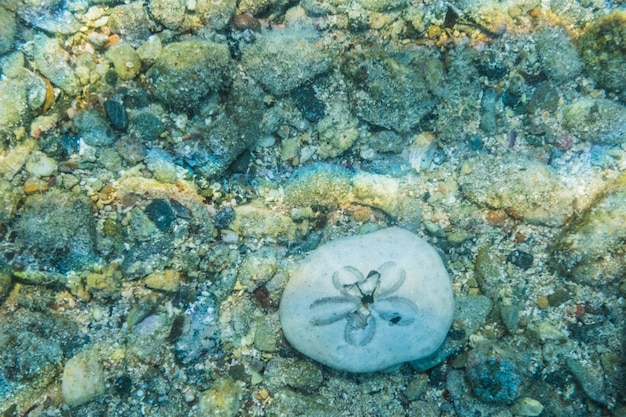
527 406
116 114
83 379
161 213
520 259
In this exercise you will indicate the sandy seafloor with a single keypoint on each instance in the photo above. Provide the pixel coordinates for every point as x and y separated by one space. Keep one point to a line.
165 165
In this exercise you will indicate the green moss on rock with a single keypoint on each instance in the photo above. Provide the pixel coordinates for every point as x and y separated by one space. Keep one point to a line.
603 49
188 71
588 250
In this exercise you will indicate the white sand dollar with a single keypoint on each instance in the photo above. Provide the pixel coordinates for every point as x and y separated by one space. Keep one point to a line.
365 303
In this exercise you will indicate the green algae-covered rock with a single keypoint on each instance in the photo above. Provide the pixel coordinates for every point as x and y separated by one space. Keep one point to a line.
603 50
283 60
319 184
125 60
558 54
392 90
526 187
131 22
588 250
9 28
598 121
57 229
222 400
52 61
188 71
258 222
182 15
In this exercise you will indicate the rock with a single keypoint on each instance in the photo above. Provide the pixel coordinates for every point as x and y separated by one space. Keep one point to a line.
267 333
83 378
527 406
585 250
598 121
298 374
510 317
382 5
590 377
53 20
493 374
5 280
125 60
219 138
222 400
307 102
257 268
462 98
58 230
104 284
131 22
146 126
520 259
188 71
161 165
387 141
558 54
160 212
256 222
168 280
329 186
9 29
150 50
300 405
13 105
602 48
527 188
373 301
283 60
337 131
95 131
40 165
181 15
318 184
52 61
21 91
388 90
200 337
169 13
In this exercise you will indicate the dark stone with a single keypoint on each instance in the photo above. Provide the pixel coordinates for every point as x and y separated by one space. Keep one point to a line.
123 385
180 210
558 297
60 146
161 213
116 113
70 144
111 78
545 97
306 101
520 259
146 126
224 217
475 143
137 99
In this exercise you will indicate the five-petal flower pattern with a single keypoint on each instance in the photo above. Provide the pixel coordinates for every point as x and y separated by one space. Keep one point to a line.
365 302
